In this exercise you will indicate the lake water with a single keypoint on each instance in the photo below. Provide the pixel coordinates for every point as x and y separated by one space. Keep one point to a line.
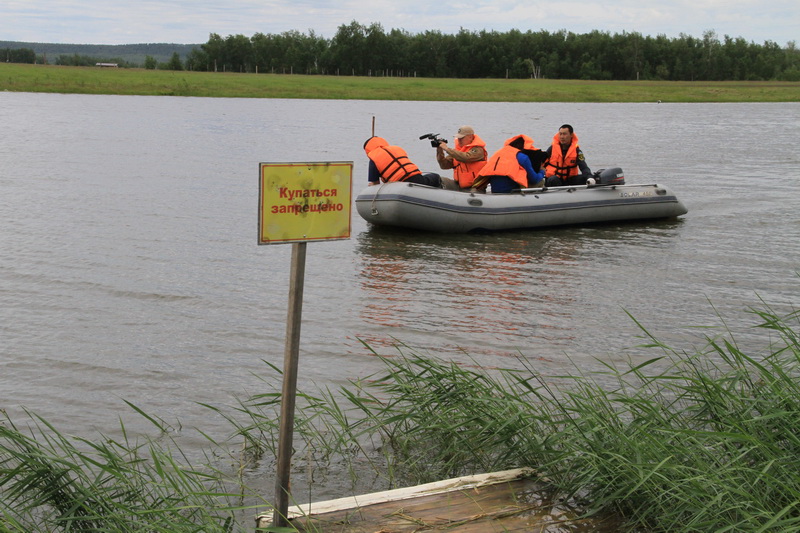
129 267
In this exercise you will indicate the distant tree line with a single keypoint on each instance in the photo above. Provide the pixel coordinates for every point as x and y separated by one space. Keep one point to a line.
362 50
27 55
18 55
78 60
359 50
125 55
174 63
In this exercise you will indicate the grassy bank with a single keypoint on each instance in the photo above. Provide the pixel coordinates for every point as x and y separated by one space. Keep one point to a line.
92 80
689 442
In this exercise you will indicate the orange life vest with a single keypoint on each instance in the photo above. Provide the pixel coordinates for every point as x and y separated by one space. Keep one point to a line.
504 162
563 165
465 173
392 161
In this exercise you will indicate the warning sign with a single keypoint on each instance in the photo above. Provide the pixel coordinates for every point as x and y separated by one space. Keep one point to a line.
300 202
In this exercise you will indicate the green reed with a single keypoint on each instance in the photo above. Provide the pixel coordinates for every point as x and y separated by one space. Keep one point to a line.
50 481
684 441
698 441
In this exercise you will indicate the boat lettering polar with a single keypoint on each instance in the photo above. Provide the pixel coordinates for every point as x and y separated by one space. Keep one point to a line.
291 194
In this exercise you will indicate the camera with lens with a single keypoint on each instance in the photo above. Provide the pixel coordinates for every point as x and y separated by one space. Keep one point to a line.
434 137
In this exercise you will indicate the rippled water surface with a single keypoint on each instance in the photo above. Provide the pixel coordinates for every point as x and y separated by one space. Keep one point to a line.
129 266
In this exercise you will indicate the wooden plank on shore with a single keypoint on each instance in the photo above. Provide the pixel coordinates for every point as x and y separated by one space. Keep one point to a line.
508 501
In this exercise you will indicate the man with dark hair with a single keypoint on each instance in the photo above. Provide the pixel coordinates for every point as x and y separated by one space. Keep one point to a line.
565 164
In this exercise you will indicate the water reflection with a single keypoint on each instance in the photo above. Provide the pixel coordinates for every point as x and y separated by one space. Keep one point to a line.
497 294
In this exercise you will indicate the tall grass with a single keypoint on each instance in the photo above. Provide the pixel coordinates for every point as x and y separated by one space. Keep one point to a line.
53 482
704 440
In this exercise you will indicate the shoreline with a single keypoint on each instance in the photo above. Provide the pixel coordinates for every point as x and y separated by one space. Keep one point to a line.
17 77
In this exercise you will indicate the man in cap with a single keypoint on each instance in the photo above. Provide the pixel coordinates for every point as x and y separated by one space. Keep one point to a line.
466 159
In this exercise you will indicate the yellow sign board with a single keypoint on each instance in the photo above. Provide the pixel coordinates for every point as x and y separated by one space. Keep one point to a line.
300 202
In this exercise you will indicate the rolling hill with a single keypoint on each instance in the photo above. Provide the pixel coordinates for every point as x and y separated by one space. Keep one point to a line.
132 53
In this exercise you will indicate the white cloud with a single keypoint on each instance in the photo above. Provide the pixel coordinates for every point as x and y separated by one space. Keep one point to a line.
183 21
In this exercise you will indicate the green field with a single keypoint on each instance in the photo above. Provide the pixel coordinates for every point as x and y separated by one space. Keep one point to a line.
94 80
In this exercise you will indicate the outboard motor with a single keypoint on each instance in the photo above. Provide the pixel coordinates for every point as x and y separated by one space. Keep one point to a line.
610 176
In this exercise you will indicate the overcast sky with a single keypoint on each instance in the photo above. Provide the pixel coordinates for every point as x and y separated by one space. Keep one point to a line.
191 21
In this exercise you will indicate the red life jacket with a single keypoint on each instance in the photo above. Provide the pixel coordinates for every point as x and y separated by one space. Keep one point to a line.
563 165
392 161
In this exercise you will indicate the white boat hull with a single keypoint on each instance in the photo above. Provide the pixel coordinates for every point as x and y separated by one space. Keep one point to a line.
420 207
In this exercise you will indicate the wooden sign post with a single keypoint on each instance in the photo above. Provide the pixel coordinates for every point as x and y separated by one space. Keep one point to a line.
291 357
299 202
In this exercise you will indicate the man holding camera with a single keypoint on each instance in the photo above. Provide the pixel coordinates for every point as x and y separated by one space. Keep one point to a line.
466 159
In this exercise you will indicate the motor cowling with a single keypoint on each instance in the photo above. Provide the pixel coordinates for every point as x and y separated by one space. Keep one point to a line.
610 176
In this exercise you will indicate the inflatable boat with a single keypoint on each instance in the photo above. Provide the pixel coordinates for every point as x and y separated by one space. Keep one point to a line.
608 199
